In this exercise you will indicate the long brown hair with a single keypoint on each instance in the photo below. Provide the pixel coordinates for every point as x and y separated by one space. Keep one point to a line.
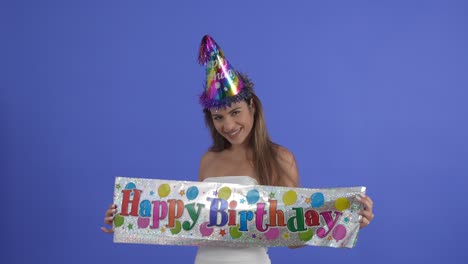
264 151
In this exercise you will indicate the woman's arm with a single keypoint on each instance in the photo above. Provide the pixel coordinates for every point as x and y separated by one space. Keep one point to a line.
289 167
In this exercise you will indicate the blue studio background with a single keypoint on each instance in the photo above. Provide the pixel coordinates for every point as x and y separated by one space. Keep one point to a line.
362 92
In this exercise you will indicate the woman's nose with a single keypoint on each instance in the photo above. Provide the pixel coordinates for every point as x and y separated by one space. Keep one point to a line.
228 125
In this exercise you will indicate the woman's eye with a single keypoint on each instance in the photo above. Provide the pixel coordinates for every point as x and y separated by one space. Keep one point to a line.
216 118
235 113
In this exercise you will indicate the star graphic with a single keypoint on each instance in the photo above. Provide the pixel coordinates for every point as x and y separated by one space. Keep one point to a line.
182 192
242 200
163 229
307 200
272 195
151 193
330 238
346 219
222 232
215 193
254 236
286 235
130 226
118 186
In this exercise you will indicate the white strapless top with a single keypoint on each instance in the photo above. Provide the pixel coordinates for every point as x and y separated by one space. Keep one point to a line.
238 255
246 180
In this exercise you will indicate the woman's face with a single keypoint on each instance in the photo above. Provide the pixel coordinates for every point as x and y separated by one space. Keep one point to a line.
234 123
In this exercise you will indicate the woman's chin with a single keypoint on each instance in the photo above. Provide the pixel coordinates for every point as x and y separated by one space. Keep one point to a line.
236 142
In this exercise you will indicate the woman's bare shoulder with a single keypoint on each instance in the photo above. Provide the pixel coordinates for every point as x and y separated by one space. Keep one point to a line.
287 161
285 155
206 160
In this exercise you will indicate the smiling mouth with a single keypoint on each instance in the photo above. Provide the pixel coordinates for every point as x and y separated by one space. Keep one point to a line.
234 134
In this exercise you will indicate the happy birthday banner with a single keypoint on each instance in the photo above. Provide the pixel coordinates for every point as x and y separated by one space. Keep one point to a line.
204 213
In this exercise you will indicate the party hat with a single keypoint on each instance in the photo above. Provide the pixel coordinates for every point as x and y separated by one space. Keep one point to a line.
223 85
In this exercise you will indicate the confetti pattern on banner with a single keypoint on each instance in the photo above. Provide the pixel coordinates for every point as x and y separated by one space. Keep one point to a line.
168 212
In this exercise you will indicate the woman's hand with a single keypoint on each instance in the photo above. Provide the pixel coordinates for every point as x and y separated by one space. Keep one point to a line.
367 214
109 218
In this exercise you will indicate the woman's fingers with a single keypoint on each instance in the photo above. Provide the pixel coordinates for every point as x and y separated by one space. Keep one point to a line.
107 230
364 222
111 212
109 218
367 213
366 201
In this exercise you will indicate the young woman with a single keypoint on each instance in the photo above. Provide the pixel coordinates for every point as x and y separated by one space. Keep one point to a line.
242 151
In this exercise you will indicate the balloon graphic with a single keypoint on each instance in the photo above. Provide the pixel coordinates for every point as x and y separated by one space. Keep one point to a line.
339 232
204 230
289 197
272 233
118 220
234 231
341 204
130 186
224 193
317 200
321 232
143 222
177 228
164 190
307 235
232 204
253 196
192 193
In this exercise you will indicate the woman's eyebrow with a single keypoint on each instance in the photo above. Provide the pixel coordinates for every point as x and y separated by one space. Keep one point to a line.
235 109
